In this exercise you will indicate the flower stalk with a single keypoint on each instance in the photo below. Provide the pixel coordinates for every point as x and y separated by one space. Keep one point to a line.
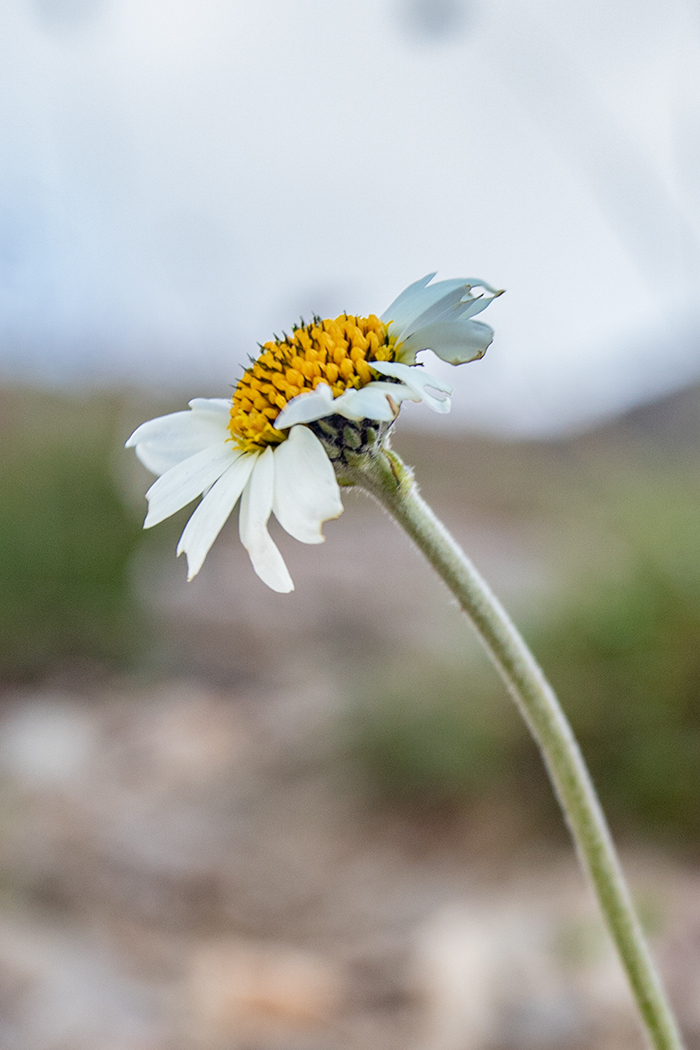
391 483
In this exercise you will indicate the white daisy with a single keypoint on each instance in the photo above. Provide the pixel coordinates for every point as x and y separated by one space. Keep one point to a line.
266 445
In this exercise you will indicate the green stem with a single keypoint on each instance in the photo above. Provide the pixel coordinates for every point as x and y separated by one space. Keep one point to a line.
387 478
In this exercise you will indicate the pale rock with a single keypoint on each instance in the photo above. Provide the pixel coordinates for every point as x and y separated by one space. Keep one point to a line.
456 976
486 975
47 743
247 993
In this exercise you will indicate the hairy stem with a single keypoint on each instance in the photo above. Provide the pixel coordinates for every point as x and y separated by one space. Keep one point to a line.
387 478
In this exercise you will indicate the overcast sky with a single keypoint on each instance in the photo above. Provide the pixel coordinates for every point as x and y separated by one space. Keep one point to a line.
181 178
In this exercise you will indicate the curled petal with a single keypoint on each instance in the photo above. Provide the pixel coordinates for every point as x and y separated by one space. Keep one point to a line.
475 304
455 297
306 492
433 301
256 506
211 514
419 382
454 341
423 303
457 303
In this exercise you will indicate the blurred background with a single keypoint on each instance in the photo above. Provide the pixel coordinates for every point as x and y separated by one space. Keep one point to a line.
235 820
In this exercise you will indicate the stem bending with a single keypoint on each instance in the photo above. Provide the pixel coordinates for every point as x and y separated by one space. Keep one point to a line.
387 478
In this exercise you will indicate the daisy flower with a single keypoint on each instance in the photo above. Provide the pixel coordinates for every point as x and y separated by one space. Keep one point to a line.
328 391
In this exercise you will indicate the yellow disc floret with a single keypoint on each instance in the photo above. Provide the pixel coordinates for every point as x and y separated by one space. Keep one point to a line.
337 352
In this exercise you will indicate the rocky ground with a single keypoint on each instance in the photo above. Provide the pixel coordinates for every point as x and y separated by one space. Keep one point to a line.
179 873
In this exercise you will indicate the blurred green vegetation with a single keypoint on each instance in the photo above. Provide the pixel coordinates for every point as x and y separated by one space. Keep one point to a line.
619 637
427 739
66 537
623 651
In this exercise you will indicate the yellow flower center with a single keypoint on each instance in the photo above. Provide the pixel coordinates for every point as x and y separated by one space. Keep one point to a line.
337 352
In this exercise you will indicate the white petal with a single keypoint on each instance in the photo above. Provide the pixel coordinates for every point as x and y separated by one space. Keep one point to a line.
215 407
158 460
412 375
211 514
372 402
404 304
446 306
419 382
306 492
453 341
475 304
421 301
305 408
184 482
163 442
422 304
458 301
256 505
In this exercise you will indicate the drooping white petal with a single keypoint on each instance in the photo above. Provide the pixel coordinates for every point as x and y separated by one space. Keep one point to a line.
306 492
453 341
419 381
307 407
372 402
211 514
256 506
187 480
163 442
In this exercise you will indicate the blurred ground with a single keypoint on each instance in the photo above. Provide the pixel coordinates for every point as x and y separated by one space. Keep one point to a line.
178 872
263 822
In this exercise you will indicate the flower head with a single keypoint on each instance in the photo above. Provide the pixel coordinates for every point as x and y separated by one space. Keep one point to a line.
330 390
